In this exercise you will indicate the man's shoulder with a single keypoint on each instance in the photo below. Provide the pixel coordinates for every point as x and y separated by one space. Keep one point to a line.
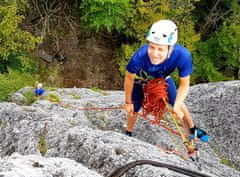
181 49
142 50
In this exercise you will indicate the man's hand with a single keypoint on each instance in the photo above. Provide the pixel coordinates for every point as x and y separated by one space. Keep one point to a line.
177 110
129 109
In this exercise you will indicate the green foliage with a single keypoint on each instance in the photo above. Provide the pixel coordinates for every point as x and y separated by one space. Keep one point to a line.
21 4
228 48
223 159
105 14
229 163
22 63
187 35
50 75
53 97
29 97
124 54
95 89
204 68
14 40
218 58
42 143
211 36
234 18
143 15
13 81
76 96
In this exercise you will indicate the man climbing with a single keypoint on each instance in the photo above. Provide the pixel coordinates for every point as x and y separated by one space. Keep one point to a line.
158 59
39 90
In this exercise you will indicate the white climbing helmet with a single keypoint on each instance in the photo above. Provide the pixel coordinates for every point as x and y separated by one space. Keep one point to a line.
39 85
163 32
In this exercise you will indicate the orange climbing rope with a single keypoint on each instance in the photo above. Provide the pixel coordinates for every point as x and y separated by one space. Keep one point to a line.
156 104
155 96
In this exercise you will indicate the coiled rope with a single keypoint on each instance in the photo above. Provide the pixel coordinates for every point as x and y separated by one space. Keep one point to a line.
155 98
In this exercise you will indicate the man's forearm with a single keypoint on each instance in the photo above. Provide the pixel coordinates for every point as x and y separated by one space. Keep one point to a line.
181 95
182 91
128 87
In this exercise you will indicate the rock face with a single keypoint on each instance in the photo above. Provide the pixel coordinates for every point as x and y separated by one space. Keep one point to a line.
95 138
38 166
215 107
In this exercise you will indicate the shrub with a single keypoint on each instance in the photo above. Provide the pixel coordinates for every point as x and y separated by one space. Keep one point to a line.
14 81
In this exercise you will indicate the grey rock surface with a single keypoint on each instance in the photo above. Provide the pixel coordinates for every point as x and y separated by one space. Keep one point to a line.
95 138
37 166
17 98
216 107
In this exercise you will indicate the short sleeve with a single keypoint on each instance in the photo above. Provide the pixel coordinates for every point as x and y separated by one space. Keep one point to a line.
134 64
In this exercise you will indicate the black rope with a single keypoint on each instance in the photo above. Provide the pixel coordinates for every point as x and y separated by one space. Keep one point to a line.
120 171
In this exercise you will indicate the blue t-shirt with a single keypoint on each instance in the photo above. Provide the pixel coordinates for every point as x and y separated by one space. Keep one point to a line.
180 58
39 92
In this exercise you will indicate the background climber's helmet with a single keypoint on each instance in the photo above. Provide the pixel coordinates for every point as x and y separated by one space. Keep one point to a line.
39 85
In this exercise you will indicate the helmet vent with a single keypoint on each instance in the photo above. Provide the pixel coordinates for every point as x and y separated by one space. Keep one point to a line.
164 35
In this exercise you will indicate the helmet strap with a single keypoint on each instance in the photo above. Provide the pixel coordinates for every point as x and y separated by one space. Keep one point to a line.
168 52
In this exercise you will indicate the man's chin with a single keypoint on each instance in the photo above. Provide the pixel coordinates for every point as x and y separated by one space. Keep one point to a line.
156 60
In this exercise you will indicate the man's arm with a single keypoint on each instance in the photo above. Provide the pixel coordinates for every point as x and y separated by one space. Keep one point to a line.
128 87
183 88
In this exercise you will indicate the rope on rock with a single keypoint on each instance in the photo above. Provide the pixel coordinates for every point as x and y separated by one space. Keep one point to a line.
155 103
122 170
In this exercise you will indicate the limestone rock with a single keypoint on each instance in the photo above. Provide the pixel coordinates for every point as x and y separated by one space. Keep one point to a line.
95 139
36 166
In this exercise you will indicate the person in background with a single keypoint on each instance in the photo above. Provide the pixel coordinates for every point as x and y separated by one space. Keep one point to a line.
39 90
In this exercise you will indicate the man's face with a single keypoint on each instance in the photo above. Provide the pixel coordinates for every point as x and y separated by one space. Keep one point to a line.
157 53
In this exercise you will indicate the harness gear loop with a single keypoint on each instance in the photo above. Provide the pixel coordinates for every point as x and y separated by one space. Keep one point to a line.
155 92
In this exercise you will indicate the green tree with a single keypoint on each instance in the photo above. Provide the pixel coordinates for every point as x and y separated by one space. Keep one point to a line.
15 47
105 15
204 67
14 40
227 50
218 58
